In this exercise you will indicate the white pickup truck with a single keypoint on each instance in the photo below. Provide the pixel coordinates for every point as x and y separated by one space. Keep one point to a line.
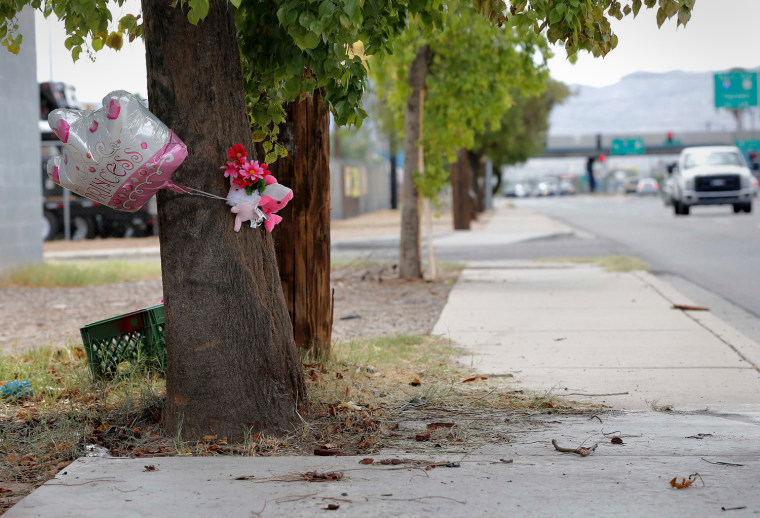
712 175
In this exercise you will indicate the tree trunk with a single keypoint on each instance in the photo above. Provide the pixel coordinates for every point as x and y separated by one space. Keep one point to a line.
302 239
394 174
460 191
232 365
410 265
478 180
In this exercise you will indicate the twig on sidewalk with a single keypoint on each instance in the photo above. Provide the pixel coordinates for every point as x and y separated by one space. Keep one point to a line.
685 307
583 452
593 416
582 394
719 463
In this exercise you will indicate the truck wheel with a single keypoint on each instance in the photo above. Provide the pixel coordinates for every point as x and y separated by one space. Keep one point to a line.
50 225
738 208
685 209
748 207
82 228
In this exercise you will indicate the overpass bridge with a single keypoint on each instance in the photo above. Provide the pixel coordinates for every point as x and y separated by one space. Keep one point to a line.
637 144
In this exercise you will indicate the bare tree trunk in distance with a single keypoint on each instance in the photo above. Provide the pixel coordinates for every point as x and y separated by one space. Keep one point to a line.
232 364
432 264
410 263
302 239
478 179
460 191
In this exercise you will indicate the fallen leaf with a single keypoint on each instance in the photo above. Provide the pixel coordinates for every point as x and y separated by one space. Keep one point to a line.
13 457
617 440
350 405
475 378
434 426
338 375
324 452
684 482
150 467
415 382
392 462
208 438
507 461
244 477
368 460
422 437
5 491
332 507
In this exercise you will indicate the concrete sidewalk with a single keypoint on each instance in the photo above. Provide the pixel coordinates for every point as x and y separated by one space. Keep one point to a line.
572 329
629 479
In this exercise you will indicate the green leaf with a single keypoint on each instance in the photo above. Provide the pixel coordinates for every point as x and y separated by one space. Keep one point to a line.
636 6
97 44
198 10
258 135
236 3
308 40
661 17
249 190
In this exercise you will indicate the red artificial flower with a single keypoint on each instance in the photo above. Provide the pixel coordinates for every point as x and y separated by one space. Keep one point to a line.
242 182
237 152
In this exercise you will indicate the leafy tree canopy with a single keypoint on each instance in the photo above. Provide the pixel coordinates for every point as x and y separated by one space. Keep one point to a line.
522 130
291 47
475 68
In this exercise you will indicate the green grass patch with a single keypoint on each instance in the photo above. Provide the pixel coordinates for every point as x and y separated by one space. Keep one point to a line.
610 263
51 274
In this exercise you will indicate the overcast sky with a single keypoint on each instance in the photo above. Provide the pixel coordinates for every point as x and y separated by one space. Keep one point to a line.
721 34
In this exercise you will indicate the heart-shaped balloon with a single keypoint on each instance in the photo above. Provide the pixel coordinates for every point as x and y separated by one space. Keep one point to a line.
119 155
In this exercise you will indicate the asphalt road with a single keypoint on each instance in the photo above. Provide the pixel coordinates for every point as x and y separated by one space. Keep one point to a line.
712 255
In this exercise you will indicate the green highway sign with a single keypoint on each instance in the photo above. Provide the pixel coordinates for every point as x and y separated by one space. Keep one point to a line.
627 146
748 145
736 90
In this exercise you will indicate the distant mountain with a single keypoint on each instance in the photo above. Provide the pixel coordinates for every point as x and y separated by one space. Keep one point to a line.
646 102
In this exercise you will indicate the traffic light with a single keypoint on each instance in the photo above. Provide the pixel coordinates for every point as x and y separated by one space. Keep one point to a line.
669 140
754 161
602 158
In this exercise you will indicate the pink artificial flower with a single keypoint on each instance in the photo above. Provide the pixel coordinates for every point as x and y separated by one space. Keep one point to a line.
230 170
251 170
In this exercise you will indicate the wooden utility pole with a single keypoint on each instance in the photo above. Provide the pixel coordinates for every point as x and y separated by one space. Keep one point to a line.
302 239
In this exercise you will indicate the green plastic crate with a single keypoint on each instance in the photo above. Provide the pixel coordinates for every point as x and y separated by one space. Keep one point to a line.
133 337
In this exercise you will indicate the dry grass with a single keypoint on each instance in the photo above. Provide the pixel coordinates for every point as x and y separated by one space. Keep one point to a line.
610 263
371 395
52 274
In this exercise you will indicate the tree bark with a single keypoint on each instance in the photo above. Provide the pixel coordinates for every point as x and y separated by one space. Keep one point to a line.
232 365
302 239
410 264
460 191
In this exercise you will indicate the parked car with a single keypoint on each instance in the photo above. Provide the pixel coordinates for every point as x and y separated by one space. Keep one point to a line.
547 187
87 218
630 185
712 175
647 186
566 187
517 190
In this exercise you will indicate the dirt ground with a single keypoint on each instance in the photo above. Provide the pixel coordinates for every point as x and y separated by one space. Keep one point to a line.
369 301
